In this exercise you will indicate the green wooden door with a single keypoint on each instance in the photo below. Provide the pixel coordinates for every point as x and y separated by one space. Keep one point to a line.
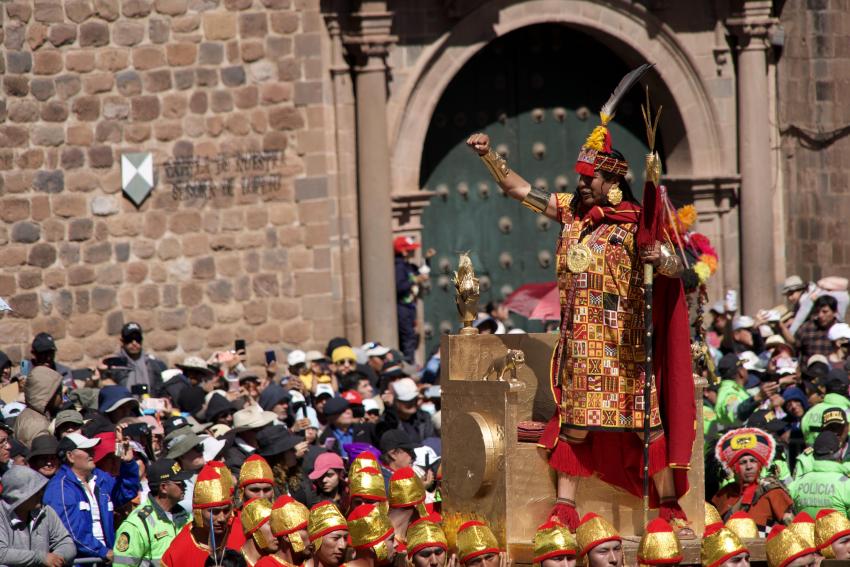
536 92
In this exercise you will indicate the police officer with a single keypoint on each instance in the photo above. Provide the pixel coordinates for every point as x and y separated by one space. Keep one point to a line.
833 419
827 484
149 529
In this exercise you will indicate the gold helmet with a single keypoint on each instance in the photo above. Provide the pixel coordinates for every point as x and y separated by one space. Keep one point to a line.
255 470
804 526
363 461
424 533
594 530
407 491
368 484
719 544
475 539
784 546
743 525
213 489
712 516
288 517
255 513
325 518
659 544
370 528
830 525
553 539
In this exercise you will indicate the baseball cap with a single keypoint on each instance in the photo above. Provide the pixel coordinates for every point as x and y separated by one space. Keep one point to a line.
324 463
405 244
785 366
352 398
826 443
43 342
718 308
131 330
767 420
335 406
315 356
370 404
743 322
396 439
833 415
751 361
405 389
374 349
296 357
324 390
793 283
817 358
76 441
839 331
166 469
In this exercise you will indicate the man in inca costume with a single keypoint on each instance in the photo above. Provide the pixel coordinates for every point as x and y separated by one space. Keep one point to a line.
598 367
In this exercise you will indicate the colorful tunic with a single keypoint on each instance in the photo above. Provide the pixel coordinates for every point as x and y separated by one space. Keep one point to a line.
599 361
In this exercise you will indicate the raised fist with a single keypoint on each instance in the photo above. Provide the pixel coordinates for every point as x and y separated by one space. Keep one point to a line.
479 142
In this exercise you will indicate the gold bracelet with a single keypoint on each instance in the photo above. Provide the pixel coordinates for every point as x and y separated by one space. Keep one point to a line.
497 165
537 200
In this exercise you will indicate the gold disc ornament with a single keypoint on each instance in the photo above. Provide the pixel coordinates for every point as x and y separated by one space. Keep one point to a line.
578 258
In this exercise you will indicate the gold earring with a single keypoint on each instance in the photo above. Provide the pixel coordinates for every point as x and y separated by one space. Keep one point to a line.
615 196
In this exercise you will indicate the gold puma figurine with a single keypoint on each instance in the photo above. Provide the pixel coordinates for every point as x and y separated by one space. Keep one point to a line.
512 360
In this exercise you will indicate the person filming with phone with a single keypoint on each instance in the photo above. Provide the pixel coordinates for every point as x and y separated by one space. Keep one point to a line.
145 368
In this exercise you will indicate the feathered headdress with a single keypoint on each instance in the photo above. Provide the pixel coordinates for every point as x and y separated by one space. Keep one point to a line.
599 139
745 441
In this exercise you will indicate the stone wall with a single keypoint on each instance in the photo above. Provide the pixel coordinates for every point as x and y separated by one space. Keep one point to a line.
237 238
814 120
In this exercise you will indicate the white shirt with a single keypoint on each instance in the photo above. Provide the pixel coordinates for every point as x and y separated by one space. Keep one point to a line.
96 528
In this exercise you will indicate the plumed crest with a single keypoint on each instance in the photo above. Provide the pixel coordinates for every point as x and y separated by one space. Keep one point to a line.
626 83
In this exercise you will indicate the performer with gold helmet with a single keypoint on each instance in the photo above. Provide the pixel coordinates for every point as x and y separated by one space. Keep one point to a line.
407 502
256 480
427 545
784 548
371 536
288 525
554 546
328 532
599 542
477 546
212 515
598 368
722 548
832 534
366 486
259 540
743 525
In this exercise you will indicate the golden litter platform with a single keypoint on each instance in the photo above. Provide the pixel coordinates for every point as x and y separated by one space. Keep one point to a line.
488 473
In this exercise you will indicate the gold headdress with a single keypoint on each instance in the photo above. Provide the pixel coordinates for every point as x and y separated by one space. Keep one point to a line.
830 525
712 516
743 525
719 544
368 483
370 528
287 518
255 513
364 460
407 491
784 546
594 530
213 489
424 533
659 545
804 526
255 470
475 539
553 539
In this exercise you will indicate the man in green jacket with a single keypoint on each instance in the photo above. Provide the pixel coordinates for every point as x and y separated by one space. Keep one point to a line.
832 419
836 385
734 404
827 484
149 529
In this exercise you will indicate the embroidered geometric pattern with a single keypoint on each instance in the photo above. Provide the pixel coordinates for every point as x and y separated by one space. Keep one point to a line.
600 356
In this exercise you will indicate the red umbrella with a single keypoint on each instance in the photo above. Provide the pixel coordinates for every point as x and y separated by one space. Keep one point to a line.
536 301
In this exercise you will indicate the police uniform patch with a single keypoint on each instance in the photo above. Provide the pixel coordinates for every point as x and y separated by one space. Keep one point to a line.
123 543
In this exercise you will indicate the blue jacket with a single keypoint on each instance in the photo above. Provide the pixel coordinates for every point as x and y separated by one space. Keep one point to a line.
66 495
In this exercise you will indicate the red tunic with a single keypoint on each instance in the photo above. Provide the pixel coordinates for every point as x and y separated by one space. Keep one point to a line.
184 551
236 539
274 561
